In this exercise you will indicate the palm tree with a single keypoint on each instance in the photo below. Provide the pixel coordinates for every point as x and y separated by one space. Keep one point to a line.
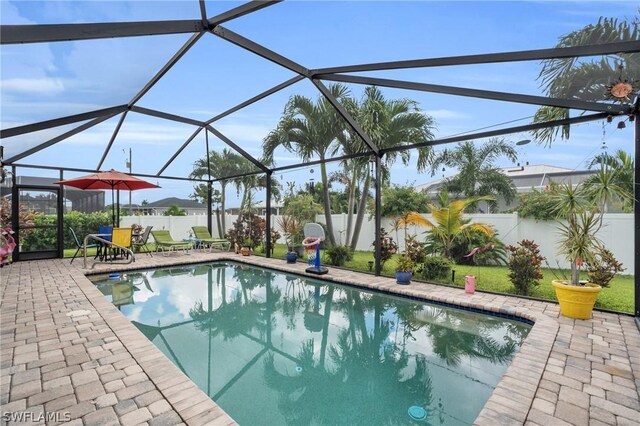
390 123
477 172
221 164
310 129
620 168
581 78
449 223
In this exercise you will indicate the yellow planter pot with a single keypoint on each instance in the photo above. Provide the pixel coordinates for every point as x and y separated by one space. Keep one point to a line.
576 301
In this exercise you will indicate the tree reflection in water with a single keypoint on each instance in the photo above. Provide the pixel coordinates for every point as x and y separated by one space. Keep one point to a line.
360 357
366 370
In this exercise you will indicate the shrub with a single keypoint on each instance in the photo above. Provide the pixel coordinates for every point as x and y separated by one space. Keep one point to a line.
604 267
492 251
415 250
388 247
436 267
404 264
248 226
524 265
338 255
538 205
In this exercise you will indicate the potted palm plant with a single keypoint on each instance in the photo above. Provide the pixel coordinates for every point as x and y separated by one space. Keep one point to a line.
404 269
579 245
291 228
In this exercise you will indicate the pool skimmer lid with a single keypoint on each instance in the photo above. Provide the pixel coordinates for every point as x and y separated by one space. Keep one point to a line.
417 413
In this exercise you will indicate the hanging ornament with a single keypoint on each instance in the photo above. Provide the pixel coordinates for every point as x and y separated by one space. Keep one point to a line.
621 89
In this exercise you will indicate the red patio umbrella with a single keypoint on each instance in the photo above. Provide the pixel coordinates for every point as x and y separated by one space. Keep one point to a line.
109 180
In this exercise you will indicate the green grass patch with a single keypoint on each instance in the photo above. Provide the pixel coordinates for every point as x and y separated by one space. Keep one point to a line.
619 296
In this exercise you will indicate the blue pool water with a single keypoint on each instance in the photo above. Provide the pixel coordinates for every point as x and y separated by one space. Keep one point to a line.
274 349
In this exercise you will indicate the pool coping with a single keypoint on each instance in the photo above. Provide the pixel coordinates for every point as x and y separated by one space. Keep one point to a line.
510 400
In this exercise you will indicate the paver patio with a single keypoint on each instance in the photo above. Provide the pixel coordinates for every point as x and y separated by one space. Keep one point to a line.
70 354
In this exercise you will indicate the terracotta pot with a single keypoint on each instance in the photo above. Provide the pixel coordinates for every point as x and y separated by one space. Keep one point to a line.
246 251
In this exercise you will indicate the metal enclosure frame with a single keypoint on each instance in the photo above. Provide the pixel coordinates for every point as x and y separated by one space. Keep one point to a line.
20 34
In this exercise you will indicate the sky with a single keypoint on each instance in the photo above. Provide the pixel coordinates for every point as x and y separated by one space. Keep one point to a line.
49 80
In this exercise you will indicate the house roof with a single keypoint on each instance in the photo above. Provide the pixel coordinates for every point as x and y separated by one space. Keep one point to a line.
528 176
180 202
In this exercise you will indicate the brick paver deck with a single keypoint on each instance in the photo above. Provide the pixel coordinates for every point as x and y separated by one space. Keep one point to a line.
67 352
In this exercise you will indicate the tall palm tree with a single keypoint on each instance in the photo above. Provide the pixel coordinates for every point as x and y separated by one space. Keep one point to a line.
221 164
449 223
585 78
390 123
477 171
621 168
309 129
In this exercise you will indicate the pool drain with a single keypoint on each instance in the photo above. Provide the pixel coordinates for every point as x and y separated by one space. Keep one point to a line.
298 369
417 413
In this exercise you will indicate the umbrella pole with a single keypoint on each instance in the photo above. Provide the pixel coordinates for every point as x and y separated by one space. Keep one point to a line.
113 208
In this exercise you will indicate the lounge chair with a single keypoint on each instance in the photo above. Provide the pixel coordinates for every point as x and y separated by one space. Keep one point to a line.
202 234
141 242
165 242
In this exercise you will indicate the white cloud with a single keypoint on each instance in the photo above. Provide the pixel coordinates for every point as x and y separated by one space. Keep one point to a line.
244 132
42 86
446 114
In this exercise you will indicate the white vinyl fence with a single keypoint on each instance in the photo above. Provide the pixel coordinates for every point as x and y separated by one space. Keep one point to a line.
616 233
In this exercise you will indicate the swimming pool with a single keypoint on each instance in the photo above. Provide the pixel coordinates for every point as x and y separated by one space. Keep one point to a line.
274 348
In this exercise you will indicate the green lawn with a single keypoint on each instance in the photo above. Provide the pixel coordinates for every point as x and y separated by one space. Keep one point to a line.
617 297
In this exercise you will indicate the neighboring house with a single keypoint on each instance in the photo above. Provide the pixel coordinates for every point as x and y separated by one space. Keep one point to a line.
157 208
524 178
260 208
82 200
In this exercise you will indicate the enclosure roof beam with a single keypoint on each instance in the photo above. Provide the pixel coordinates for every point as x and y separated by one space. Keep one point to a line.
481 94
59 138
75 169
167 116
113 138
489 58
256 98
239 150
170 63
175 155
345 114
260 50
241 10
41 33
42 125
203 12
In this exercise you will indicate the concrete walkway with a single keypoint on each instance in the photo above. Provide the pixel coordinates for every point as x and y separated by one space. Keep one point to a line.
69 356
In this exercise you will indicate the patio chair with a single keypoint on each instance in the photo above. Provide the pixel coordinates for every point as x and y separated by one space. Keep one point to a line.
79 244
122 238
202 234
105 233
141 243
164 241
